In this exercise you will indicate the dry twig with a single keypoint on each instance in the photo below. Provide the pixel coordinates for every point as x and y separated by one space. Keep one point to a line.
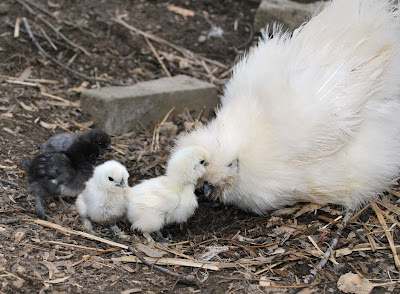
187 279
387 232
47 55
157 56
184 51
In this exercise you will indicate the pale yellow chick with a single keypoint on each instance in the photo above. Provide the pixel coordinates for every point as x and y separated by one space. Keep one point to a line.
167 199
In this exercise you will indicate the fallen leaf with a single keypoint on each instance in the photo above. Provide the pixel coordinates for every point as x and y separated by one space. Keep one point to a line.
343 252
283 230
18 284
352 283
286 211
309 207
25 74
265 282
9 131
57 281
51 267
279 251
31 107
150 252
19 236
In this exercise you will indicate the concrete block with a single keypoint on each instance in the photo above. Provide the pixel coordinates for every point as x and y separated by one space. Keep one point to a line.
119 110
288 13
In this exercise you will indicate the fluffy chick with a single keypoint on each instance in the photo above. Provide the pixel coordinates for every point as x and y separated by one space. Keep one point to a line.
62 142
61 173
167 199
103 201
312 116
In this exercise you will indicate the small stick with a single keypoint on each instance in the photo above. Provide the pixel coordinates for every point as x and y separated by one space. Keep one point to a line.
388 235
394 193
152 37
23 3
67 231
276 286
16 121
335 240
157 56
39 35
187 279
11 221
22 83
311 277
47 55
77 246
8 182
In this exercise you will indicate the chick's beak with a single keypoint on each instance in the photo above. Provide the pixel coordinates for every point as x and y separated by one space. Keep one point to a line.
122 184
207 189
109 148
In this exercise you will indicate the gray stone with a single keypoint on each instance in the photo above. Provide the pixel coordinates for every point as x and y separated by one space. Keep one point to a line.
288 13
119 110
4 8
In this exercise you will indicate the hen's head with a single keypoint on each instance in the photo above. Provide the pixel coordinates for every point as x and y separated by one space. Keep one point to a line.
187 165
111 175
222 173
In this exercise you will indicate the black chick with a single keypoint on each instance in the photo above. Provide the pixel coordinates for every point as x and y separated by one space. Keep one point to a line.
62 142
61 173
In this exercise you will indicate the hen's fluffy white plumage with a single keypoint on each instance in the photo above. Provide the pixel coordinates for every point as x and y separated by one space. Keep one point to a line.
104 199
167 199
311 117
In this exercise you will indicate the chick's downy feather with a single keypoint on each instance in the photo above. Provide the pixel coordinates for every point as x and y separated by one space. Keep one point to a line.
62 142
104 201
313 116
167 199
61 173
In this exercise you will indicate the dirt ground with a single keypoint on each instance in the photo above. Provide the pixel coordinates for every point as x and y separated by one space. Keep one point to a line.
246 253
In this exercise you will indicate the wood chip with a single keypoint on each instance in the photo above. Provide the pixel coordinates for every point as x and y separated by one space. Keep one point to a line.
181 11
352 283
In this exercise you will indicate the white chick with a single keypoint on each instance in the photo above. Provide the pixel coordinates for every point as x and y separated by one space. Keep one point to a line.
167 199
104 199
313 116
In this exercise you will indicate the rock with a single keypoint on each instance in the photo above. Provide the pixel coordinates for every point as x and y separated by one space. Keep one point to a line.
288 13
119 110
4 8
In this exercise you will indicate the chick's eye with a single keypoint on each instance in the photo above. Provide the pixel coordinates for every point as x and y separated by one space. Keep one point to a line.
100 143
202 162
110 179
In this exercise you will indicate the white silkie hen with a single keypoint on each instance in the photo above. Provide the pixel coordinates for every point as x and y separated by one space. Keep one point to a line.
167 199
104 199
311 117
